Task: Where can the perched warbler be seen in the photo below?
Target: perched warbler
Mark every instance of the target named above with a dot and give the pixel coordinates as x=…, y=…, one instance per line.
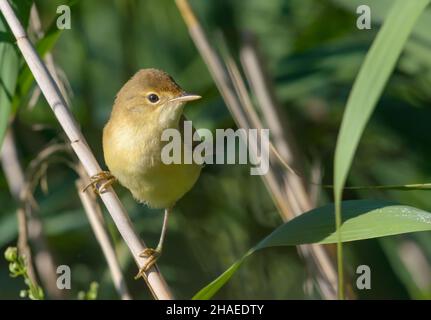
x=150, y=102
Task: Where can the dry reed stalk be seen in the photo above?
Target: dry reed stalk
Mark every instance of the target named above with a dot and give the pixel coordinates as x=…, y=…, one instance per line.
x=239, y=104
x=298, y=198
x=15, y=180
x=95, y=217
x=50, y=90
x=37, y=171
x=88, y=199
x=29, y=224
x=261, y=86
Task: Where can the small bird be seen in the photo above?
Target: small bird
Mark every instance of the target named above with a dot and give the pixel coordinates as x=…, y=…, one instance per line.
x=150, y=102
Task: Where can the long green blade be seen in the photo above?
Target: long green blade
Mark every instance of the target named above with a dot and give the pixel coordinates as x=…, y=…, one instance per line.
x=9, y=63
x=362, y=219
x=9, y=66
x=367, y=89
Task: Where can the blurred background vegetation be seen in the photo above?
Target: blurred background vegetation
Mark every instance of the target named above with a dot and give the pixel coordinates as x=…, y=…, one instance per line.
x=313, y=52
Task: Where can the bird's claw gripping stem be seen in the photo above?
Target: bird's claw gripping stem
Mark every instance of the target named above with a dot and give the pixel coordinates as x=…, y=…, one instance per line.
x=100, y=181
x=152, y=255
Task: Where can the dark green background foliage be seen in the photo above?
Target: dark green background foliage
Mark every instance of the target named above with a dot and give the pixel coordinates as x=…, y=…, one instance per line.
x=313, y=51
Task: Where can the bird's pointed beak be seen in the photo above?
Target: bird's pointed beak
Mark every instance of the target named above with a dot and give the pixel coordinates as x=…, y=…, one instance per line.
x=185, y=97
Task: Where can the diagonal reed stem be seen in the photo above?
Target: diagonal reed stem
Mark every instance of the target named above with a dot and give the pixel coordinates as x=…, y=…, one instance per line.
x=235, y=95
x=50, y=90
x=95, y=217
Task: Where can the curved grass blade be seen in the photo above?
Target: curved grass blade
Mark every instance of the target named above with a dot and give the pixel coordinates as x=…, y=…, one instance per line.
x=368, y=87
x=43, y=46
x=399, y=187
x=362, y=219
x=9, y=64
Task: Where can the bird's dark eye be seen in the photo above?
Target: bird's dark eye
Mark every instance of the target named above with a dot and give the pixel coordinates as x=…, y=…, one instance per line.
x=153, y=98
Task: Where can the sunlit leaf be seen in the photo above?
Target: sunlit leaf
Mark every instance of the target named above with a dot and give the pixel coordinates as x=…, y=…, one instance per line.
x=25, y=79
x=379, y=63
x=9, y=63
x=362, y=219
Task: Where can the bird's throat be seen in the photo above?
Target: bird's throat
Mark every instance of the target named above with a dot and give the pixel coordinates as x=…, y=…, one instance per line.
x=170, y=115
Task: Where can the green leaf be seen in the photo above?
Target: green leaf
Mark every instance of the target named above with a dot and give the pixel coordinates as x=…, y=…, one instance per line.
x=379, y=10
x=91, y=294
x=25, y=79
x=211, y=289
x=379, y=63
x=9, y=64
x=43, y=46
x=362, y=219
x=367, y=89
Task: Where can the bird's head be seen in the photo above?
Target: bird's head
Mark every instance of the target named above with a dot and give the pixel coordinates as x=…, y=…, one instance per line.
x=152, y=94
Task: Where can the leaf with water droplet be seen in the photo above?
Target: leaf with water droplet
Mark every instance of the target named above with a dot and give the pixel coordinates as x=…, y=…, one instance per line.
x=362, y=219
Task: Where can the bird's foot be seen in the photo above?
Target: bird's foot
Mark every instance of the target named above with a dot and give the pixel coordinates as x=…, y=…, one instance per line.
x=152, y=255
x=100, y=181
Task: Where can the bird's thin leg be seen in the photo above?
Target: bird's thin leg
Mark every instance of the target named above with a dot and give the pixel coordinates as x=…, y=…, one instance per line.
x=104, y=178
x=154, y=254
x=164, y=228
